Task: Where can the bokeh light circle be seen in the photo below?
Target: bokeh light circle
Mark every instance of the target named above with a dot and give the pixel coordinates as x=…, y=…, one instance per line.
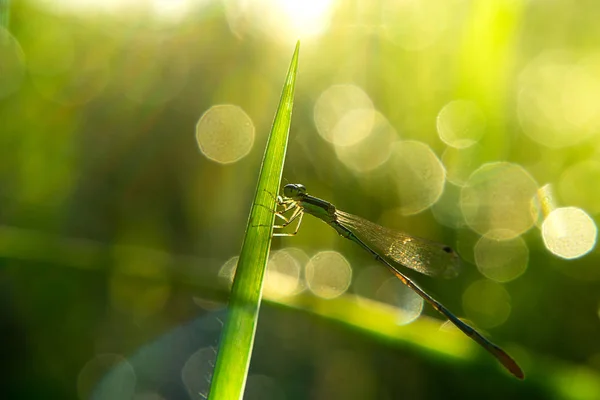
x=197, y=372
x=227, y=270
x=460, y=123
x=419, y=176
x=369, y=280
x=374, y=283
x=372, y=151
x=107, y=376
x=577, y=186
x=328, y=274
x=496, y=201
x=301, y=259
x=408, y=303
x=225, y=134
x=447, y=210
x=559, y=99
x=487, y=303
x=282, y=276
x=344, y=115
x=460, y=163
x=569, y=232
x=501, y=260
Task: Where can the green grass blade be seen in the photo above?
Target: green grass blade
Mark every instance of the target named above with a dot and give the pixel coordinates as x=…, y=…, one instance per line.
x=235, y=347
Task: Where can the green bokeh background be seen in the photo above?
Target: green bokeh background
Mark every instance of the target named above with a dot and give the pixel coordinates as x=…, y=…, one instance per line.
x=112, y=221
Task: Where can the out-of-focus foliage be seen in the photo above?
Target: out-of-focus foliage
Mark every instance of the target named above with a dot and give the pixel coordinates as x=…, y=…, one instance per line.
x=131, y=135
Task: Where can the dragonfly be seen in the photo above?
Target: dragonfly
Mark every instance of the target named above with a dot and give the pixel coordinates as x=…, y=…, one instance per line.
x=391, y=248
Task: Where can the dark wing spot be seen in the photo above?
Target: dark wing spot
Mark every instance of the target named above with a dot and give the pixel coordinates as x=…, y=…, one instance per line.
x=448, y=249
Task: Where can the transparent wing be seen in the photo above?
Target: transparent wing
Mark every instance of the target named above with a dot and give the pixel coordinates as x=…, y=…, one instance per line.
x=421, y=255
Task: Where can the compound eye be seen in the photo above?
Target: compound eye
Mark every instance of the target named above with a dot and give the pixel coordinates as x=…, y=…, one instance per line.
x=293, y=190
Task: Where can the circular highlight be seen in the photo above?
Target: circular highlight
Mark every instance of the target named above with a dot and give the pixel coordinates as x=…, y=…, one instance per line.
x=447, y=210
x=487, y=302
x=496, y=201
x=575, y=186
x=569, y=232
x=107, y=376
x=408, y=303
x=460, y=124
x=501, y=260
x=225, y=134
x=302, y=259
x=227, y=271
x=369, y=280
x=283, y=275
x=559, y=99
x=372, y=151
x=460, y=163
x=344, y=115
x=197, y=372
x=419, y=176
x=328, y=274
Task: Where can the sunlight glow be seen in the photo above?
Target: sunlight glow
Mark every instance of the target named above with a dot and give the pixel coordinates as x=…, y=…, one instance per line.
x=163, y=9
x=308, y=17
x=291, y=19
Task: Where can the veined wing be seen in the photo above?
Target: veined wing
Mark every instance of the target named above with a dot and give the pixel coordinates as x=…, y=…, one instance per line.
x=421, y=255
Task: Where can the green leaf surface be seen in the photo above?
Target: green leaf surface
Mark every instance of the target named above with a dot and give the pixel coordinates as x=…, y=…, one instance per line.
x=236, y=343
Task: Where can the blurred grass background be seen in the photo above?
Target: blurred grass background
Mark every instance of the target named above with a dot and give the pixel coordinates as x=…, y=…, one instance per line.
x=131, y=135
